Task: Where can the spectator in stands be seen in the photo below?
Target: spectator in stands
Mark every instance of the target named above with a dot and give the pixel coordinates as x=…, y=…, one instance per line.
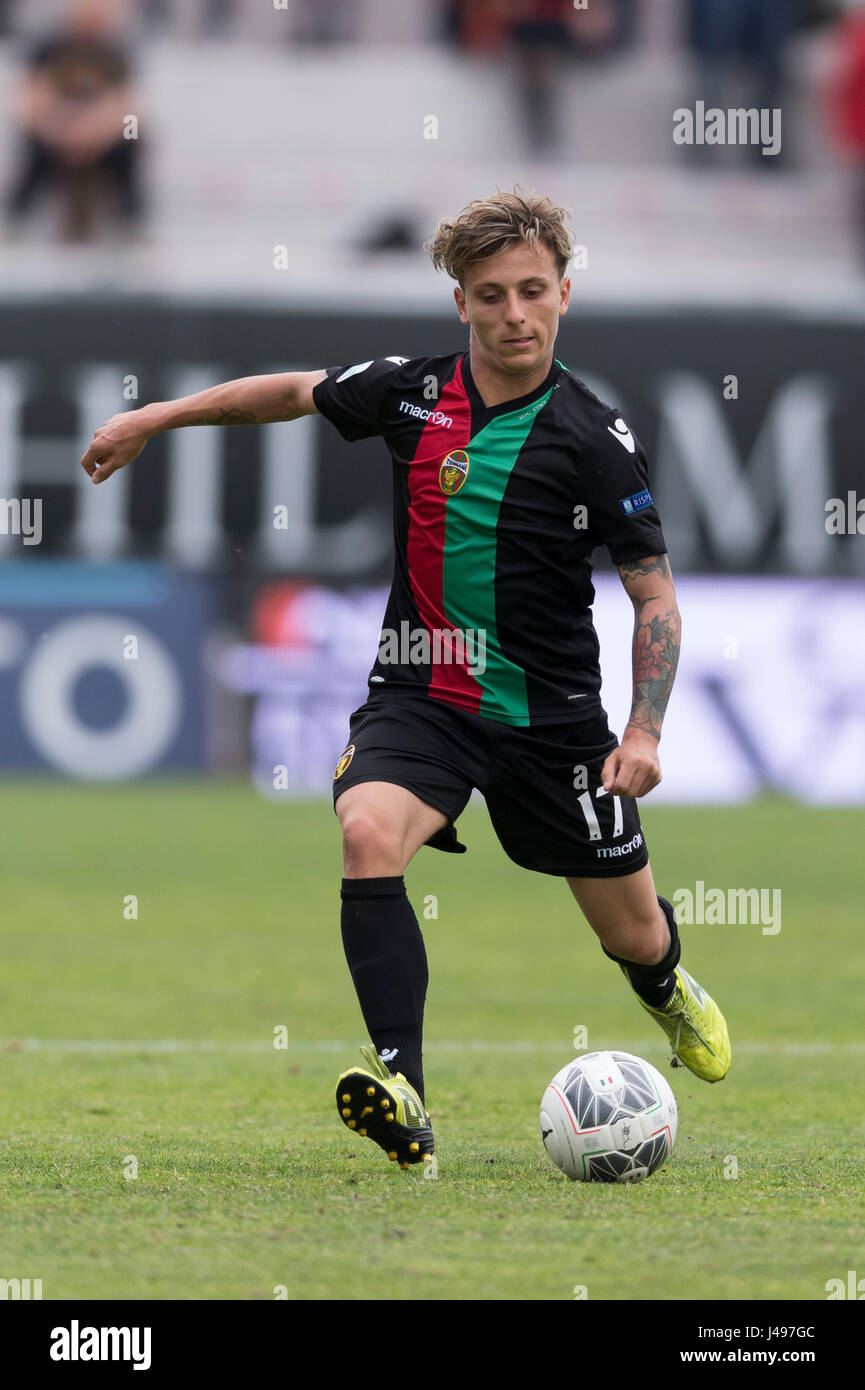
x=541, y=36
x=723, y=34
x=847, y=105
x=71, y=107
x=325, y=21
x=478, y=26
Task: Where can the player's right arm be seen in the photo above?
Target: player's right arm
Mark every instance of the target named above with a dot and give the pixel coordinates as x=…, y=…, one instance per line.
x=250, y=400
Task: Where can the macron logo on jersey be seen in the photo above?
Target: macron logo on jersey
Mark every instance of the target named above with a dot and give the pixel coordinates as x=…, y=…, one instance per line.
x=437, y=417
x=362, y=366
x=620, y=431
x=353, y=371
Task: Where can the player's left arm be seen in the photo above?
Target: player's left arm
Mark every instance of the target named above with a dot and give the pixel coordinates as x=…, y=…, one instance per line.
x=633, y=768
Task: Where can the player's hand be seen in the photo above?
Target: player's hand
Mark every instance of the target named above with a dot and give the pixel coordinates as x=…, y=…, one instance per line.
x=633, y=768
x=117, y=443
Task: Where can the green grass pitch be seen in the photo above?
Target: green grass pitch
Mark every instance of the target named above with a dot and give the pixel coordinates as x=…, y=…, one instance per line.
x=155, y=1144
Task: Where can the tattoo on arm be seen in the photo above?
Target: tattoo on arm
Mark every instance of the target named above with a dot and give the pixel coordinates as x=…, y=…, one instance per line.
x=633, y=569
x=234, y=417
x=655, y=658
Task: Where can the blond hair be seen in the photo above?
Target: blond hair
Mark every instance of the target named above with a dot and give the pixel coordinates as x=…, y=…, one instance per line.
x=490, y=225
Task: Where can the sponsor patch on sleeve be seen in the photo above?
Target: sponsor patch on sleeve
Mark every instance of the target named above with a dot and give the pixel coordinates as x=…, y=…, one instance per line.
x=636, y=502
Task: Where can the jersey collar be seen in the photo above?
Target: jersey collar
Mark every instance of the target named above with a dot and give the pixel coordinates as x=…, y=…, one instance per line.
x=478, y=408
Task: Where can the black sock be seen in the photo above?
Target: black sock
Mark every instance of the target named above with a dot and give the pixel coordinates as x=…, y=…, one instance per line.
x=386, y=956
x=655, y=983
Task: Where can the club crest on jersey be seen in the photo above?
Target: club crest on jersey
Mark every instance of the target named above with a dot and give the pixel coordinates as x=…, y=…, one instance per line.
x=454, y=471
x=344, y=761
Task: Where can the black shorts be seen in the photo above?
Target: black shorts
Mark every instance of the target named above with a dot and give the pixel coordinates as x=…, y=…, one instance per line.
x=542, y=785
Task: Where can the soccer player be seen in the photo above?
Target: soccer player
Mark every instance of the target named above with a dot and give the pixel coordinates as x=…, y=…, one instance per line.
x=508, y=473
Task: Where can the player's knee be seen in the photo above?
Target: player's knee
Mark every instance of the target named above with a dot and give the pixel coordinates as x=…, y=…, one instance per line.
x=370, y=845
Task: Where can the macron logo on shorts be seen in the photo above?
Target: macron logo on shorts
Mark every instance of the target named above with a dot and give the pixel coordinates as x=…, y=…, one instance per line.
x=614, y=851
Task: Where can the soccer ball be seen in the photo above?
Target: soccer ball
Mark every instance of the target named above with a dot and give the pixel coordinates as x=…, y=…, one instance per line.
x=608, y=1117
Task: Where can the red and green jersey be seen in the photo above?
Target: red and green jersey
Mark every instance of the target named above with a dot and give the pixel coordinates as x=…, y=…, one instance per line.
x=497, y=511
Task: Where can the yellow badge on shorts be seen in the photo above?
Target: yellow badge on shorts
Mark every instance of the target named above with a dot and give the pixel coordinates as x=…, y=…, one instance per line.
x=344, y=761
x=454, y=471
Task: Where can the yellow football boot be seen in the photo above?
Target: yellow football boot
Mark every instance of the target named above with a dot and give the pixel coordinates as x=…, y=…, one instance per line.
x=696, y=1028
x=386, y=1109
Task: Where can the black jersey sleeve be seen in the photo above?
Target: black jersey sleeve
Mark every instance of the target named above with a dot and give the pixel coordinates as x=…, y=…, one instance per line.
x=352, y=397
x=622, y=514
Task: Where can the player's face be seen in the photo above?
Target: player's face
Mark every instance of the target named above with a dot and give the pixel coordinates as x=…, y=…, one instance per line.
x=513, y=302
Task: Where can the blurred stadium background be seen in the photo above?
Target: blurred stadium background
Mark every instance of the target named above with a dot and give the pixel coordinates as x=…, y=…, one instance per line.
x=286, y=163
